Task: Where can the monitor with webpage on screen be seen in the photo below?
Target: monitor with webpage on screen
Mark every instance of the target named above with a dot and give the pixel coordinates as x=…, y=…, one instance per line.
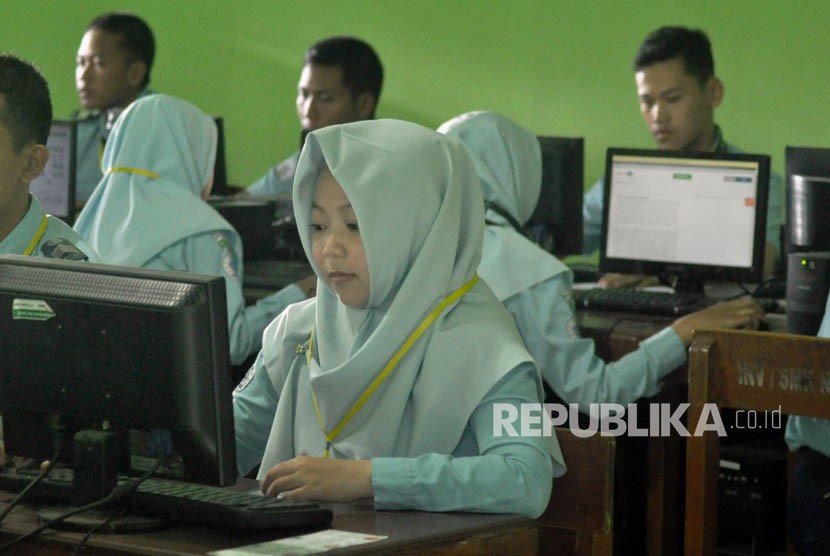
x=686, y=217
x=55, y=187
x=134, y=358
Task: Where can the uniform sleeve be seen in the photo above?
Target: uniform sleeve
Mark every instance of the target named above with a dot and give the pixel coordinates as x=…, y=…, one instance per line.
x=510, y=474
x=213, y=254
x=811, y=431
x=254, y=404
x=546, y=320
x=592, y=217
x=256, y=317
x=87, y=157
x=278, y=179
x=266, y=185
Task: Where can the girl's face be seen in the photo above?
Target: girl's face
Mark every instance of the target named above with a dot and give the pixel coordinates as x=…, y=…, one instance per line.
x=336, y=245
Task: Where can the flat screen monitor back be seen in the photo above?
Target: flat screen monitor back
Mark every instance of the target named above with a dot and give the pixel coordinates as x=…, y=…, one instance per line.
x=55, y=187
x=808, y=199
x=129, y=348
x=556, y=224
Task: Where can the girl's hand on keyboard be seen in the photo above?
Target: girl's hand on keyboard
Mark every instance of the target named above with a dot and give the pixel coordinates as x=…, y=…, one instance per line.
x=319, y=479
x=738, y=313
x=615, y=280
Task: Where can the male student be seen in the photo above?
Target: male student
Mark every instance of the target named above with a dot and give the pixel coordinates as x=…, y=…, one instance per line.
x=25, y=119
x=678, y=92
x=340, y=82
x=112, y=69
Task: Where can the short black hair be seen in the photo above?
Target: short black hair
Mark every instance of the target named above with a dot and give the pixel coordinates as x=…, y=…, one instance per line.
x=360, y=64
x=136, y=37
x=26, y=107
x=667, y=43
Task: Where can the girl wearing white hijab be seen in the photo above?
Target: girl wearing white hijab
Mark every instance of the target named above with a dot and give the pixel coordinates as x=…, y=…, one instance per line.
x=384, y=385
x=536, y=287
x=149, y=209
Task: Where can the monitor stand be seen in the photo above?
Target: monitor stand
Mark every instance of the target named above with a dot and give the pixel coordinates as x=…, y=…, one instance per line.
x=100, y=521
x=683, y=284
x=95, y=476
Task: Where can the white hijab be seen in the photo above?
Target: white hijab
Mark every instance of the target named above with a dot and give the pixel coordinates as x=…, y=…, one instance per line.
x=508, y=160
x=157, y=161
x=420, y=212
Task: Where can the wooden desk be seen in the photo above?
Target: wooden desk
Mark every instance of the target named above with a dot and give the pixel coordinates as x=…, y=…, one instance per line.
x=615, y=335
x=408, y=533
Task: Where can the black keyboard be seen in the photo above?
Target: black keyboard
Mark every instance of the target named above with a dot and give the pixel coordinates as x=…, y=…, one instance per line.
x=640, y=301
x=271, y=274
x=221, y=507
x=188, y=502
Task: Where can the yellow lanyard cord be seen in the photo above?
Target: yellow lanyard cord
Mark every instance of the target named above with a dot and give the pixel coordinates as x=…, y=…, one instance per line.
x=128, y=170
x=387, y=370
x=38, y=234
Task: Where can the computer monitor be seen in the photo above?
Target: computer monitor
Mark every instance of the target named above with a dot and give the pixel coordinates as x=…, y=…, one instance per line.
x=55, y=187
x=686, y=217
x=220, y=172
x=808, y=199
x=254, y=220
x=141, y=353
x=556, y=224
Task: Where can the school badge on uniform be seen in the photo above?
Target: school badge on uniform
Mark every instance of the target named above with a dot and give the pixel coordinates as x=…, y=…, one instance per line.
x=60, y=248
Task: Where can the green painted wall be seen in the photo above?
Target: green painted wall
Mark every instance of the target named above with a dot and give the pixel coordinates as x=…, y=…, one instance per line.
x=557, y=67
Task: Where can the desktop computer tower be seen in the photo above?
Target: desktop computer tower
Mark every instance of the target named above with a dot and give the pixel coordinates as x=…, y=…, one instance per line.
x=752, y=498
x=808, y=281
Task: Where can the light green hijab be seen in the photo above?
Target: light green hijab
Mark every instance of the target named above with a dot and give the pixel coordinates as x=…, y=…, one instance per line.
x=508, y=160
x=420, y=213
x=157, y=161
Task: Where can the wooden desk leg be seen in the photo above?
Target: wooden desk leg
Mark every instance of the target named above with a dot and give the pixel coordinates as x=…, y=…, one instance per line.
x=666, y=484
x=664, y=503
x=702, y=463
x=655, y=506
x=702, y=495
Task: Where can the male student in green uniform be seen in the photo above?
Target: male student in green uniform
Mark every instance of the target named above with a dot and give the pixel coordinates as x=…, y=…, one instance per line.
x=112, y=69
x=678, y=92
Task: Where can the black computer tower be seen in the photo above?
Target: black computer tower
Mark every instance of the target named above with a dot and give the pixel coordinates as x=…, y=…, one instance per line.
x=751, y=500
x=808, y=281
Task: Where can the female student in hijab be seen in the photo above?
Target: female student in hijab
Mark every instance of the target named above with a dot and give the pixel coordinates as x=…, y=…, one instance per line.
x=385, y=385
x=149, y=209
x=536, y=287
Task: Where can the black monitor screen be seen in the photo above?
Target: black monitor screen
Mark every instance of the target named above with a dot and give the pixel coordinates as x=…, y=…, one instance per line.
x=140, y=351
x=556, y=224
x=55, y=187
x=808, y=199
x=687, y=217
x=220, y=172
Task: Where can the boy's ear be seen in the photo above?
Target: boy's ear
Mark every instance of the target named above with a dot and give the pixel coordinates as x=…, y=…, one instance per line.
x=714, y=90
x=36, y=158
x=136, y=72
x=366, y=103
